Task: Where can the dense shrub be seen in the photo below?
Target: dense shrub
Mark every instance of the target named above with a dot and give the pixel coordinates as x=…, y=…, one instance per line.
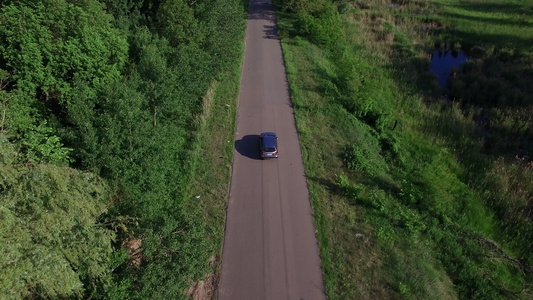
x=322, y=29
x=52, y=244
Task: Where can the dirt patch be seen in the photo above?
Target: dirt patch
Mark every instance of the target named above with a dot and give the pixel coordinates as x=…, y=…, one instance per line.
x=133, y=248
x=203, y=289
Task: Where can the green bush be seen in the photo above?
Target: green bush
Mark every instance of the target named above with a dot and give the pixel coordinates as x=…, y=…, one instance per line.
x=52, y=244
x=323, y=29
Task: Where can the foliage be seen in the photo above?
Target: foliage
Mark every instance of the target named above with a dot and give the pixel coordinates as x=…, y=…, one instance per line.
x=323, y=29
x=52, y=245
x=46, y=58
x=116, y=88
x=44, y=54
x=304, y=6
x=41, y=146
x=318, y=21
x=175, y=21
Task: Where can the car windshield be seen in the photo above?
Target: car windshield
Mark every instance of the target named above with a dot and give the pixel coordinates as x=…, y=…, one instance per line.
x=270, y=149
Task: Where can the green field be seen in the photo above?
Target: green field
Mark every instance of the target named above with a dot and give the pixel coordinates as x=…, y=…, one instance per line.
x=419, y=193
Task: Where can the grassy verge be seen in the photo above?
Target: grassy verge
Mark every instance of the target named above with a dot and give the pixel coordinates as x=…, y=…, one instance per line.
x=213, y=156
x=409, y=201
x=209, y=190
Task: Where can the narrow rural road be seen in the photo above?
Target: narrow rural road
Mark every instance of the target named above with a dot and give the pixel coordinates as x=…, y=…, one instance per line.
x=270, y=249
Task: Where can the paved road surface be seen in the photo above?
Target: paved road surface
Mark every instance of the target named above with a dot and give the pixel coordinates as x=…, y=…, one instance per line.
x=270, y=248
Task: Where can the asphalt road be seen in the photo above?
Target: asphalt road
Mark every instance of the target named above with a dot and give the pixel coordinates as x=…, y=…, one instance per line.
x=270, y=249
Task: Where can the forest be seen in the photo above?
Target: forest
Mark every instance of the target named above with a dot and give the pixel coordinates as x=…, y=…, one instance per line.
x=101, y=102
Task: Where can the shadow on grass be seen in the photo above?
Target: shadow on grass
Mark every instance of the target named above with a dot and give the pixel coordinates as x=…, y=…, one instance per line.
x=470, y=39
x=498, y=8
x=491, y=21
x=328, y=184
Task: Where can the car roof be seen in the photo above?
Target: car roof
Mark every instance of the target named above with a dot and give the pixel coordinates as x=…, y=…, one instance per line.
x=269, y=139
x=268, y=134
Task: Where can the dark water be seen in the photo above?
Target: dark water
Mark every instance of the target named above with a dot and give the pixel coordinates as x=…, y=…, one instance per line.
x=442, y=63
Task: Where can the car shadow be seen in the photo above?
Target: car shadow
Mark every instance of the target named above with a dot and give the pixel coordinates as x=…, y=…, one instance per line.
x=248, y=146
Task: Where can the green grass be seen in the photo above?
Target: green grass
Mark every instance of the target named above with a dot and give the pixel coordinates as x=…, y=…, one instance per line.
x=209, y=189
x=409, y=203
x=489, y=22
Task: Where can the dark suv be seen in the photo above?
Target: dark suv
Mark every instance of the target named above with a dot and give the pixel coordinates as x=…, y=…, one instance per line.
x=268, y=143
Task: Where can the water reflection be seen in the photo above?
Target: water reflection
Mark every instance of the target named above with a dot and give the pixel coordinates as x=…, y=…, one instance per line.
x=442, y=63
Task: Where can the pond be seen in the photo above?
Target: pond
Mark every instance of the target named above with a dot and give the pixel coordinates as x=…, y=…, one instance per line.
x=443, y=62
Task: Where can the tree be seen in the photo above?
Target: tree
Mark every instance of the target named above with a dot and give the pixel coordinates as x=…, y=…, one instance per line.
x=47, y=49
x=52, y=245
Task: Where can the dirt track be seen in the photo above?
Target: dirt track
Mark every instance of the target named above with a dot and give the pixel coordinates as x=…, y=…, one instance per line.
x=270, y=248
